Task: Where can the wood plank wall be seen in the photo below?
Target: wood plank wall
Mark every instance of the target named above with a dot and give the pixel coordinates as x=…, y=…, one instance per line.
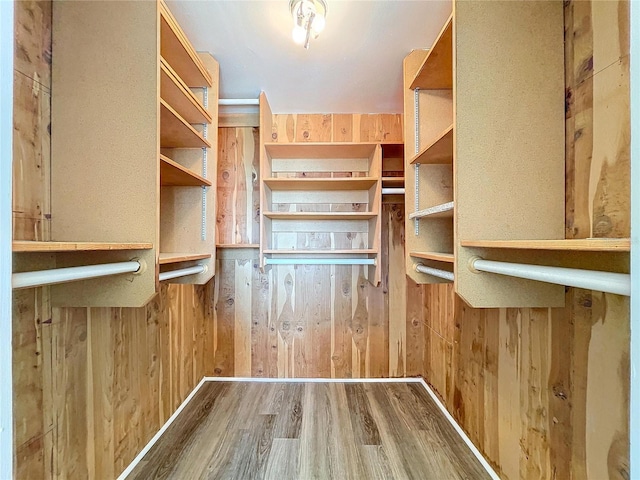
x=544, y=392
x=305, y=321
x=91, y=386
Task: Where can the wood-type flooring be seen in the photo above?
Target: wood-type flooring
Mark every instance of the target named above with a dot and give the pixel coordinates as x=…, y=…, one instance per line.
x=276, y=430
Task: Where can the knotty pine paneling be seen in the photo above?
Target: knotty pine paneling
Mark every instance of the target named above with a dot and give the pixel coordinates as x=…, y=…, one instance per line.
x=544, y=392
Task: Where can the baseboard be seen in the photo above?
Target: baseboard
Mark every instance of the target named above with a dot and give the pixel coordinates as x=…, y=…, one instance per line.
x=157, y=436
x=460, y=431
x=420, y=380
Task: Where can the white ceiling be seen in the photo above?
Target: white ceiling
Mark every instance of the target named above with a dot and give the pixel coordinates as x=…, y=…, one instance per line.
x=355, y=66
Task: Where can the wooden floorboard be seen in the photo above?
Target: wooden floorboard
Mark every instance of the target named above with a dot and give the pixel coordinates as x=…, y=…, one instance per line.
x=277, y=430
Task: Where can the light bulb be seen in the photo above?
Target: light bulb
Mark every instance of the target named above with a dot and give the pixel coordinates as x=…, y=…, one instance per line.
x=318, y=23
x=299, y=34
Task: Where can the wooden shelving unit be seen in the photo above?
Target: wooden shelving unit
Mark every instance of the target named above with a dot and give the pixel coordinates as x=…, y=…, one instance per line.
x=320, y=200
x=168, y=258
x=174, y=92
x=175, y=132
x=440, y=151
x=139, y=209
x=174, y=174
x=435, y=256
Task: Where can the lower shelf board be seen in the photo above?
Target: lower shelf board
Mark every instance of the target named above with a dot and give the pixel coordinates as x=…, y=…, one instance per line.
x=354, y=251
x=437, y=256
x=585, y=244
x=35, y=246
x=167, y=258
x=320, y=215
x=437, y=211
x=175, y=175
x=238, y=245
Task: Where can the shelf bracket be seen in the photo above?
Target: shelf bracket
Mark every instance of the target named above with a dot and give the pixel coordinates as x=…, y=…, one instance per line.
x=203, y=224
x=416, y=170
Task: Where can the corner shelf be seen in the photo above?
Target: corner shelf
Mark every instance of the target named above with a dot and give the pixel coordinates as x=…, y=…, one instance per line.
x=175, y=132
x=440, y=151
x=167, y=258
x=174, y=91
x=179, y=53
x=340, y=183
x=175, y=175
x=436, y=71
x=20, y=246
x=436, y=256
x=444, y=210
x=585, y=245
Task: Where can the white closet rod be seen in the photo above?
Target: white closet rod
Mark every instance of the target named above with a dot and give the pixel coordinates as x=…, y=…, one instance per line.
x=618, y=283
x=393, y=191
x=238, y=101
x=71, y=274
x=434, y=272
x=182, y=272
x=320, y=261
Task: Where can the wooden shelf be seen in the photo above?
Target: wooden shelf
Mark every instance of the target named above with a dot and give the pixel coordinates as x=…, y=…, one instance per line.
x=238, y=245
x=443, y=210
x=438, y=152
x=175, y=175
x=320, y=215
x=320, y=150
x=437, y=256
x=166, y=258
x=33, y=246
x=393, y=181
x=180, y=97
x=343, y=183
x=436, y=72
x=354, y=251
x=175, y=132
x=179, y=53
x=587, y=244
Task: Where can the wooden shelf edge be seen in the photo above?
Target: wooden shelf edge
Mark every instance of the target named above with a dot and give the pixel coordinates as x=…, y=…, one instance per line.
x=191, y=178
x=586, y=244
x=362, y=251
x=444, y=209
x=182, y=39
x=167, y=258
x=328, y=183
x=437, y=256
x=238, y=245
x=422, y=157
x=185, y=91
x=320, y=215
x=446, y=30
x=198, y=140
x=21, y=246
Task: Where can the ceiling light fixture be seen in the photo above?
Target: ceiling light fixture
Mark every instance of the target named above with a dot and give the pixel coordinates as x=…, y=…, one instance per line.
x=308, y=19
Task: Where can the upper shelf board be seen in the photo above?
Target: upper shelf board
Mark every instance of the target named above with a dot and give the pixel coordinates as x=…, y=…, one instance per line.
x=436, y=72
x=166, y=258
x=180, y=97
x=440, y=151
x=437, y=211
x=175, y=132
x=341, y=183
x=437, y=256
x=585, y=244
x=320, y=150
x=176, y=49
x=320, y=215
x=33, y=246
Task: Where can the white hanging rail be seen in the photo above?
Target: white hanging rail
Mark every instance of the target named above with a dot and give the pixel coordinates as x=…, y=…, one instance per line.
x=320, y=261
x=238, y=101
x=618, y=283
x=71, y=274
x=434, y=272
x=182, y=272
x=437, y=209
x=393, y=191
